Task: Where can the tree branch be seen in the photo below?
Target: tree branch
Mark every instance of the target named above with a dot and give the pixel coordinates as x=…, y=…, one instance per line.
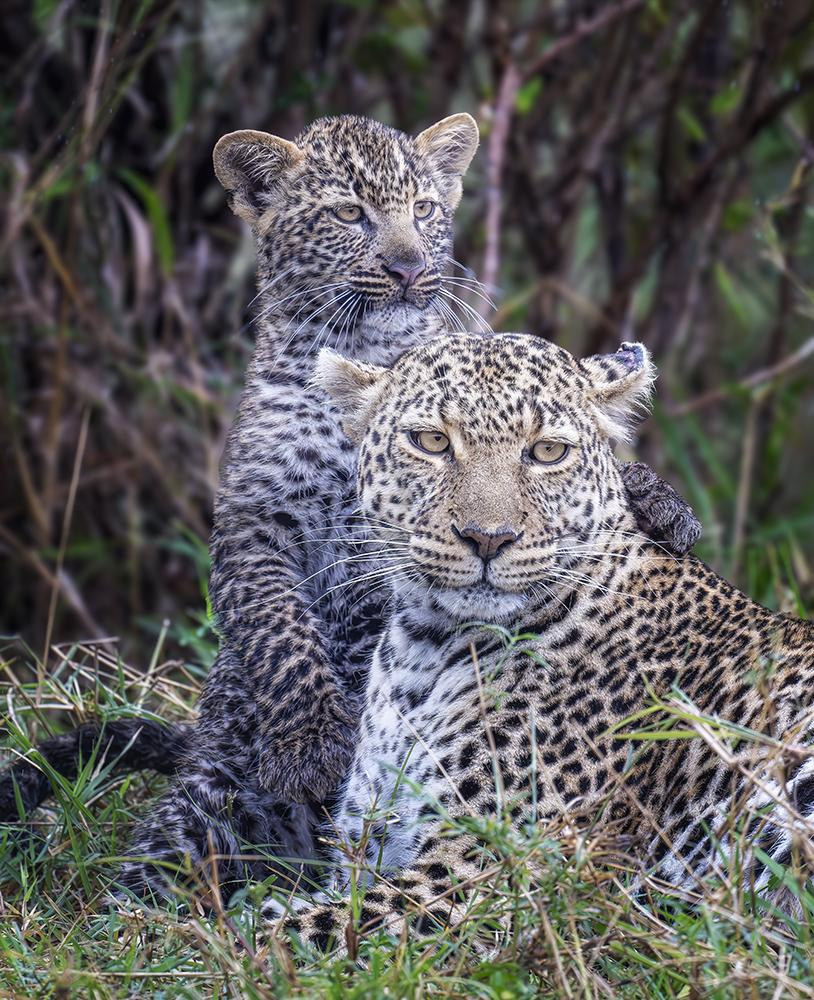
x=752, y=381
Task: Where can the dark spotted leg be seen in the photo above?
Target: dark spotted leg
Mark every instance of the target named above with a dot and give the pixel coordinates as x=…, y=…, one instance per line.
x=175, y=843
x=661, y=512
x=215, y=805
x=430, y=896
x=207, y=828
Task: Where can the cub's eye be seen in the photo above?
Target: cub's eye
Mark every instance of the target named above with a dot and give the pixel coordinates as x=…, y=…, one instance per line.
x=549, y=452
x=349, y=213
x=424, y=210
x=430, y=441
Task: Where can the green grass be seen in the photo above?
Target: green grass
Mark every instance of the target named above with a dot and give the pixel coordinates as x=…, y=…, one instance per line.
x=576, y=927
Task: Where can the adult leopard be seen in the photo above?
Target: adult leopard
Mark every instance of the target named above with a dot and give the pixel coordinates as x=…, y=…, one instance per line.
x=486, y=474
x=353, y=224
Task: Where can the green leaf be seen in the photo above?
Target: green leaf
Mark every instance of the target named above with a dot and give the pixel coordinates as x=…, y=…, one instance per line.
x=737, y=214
x=785, y=877
x=731, y=294
x=183, y=90
x=43, y=11
x=61, y=186
x=647, y=735
x=157, y=214
x=692, y=126
x=726, y=100
x=527, y=95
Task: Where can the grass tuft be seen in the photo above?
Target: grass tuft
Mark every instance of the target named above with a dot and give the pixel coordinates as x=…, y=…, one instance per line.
x=556, y=913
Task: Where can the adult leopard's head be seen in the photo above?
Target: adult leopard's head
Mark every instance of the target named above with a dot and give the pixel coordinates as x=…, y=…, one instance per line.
x=353, y=218
x=486, y=469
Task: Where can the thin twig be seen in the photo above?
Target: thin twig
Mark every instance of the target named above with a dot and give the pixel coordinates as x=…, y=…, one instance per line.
x=744, y=488
x=753, y=381
x=63, y=542
x=495, y=156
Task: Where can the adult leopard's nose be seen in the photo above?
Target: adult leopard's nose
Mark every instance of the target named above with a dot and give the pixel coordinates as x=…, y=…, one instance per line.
x=486, y=544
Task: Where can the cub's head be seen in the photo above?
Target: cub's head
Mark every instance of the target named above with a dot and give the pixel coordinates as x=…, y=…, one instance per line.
x=486, y=468
x=352, y=218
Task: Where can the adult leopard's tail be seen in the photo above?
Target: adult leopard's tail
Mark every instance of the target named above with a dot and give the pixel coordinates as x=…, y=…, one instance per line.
x=129, y=744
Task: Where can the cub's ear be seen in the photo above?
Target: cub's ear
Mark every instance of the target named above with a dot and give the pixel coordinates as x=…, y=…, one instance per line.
x=449, y=145
x=354, y=387
x=621, y=385
x=249, y=165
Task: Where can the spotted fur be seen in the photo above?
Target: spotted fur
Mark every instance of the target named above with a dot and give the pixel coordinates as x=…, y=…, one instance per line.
x=280, y=709
x=296, y=584
x=615, y=622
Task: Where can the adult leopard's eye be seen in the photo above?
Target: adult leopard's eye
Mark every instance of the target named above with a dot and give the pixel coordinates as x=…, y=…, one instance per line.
x=424, y=210
x=549, y=452
x=349, y=213
x=433, y=442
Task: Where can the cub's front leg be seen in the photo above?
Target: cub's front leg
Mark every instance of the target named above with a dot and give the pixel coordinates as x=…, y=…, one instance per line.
x=270, y=522
x=306, y=722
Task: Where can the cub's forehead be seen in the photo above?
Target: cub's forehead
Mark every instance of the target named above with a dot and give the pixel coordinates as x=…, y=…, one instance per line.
x=367, y=158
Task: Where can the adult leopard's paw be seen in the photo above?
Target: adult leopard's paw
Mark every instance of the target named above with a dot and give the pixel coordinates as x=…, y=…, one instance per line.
x=322, y=927
x=661, y=512
x=309, y=764
x=331, y=929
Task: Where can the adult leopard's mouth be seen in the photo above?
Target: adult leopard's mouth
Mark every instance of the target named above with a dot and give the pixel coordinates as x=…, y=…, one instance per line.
x=477, y=600
x=480, y=602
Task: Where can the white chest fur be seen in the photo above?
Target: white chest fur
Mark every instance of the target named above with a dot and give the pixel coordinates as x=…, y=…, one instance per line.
x=396, y=769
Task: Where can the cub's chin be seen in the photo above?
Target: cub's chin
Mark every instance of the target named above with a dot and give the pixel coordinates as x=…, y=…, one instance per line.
x=481, y=603
x=396, y=312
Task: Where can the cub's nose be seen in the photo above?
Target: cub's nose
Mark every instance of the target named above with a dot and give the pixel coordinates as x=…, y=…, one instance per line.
x=407, y=269
x=486, y=544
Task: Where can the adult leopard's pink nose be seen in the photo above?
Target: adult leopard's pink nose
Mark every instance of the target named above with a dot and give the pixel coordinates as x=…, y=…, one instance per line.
x=486, y=544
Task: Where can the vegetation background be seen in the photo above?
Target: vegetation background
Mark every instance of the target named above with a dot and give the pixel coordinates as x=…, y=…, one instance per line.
x=645, y=173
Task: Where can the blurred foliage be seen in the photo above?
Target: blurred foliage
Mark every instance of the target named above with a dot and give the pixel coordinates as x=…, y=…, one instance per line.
x=654, y=183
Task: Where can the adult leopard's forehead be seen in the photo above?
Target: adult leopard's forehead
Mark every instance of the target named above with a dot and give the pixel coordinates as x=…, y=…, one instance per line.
x=373, y=161
x=501, y=376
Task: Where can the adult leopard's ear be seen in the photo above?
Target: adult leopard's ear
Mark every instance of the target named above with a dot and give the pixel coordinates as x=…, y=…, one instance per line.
x=621, y=385
x=355, y=387
x=250, y=165
x=449, y=145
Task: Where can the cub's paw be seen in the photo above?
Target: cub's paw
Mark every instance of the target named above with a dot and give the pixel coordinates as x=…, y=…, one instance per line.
x=309, y=764
x=661, y=512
